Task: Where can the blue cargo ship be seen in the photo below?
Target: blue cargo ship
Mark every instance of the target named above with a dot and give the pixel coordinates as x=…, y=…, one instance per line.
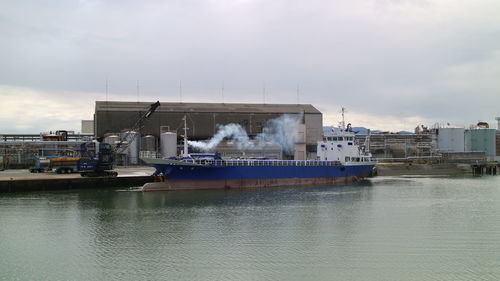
x=339, y=161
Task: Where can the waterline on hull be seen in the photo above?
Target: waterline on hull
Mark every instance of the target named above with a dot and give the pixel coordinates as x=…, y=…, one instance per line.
x=171, y=185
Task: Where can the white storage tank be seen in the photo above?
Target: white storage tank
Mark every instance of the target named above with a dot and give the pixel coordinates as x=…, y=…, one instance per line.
x=132, y=138
x=112, y=139
x=300, y=143
x=148, y=143
x=451, y=139
x=168, y=144
x=481, y=140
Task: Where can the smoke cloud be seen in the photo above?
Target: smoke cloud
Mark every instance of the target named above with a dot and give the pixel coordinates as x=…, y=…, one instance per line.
x=281, y=131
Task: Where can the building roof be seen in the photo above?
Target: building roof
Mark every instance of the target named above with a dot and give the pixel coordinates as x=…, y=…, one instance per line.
x=206, y=107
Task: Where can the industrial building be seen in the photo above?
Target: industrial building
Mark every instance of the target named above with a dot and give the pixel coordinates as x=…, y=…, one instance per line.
x=450, y=139
x=498, y=146
x=402, y=146
x=481, y=139
x=87, y=126
x=161, y=135
x=19, y=150
x=113, y=120
x=457, y=144
x=203, y=119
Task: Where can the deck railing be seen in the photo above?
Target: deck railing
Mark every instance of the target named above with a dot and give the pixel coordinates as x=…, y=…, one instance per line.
x=239, y=162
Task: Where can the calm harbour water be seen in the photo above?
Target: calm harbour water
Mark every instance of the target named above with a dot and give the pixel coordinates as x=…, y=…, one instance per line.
x=387, y=228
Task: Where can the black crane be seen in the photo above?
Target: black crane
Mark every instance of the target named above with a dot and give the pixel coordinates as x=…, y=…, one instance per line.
x=102, y=164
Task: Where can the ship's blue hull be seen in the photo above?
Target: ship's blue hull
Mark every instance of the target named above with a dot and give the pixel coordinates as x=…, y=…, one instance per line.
x=261, y=172
x=174, y=177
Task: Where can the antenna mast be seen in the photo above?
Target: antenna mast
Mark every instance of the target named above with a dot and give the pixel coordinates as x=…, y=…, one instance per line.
x=106, y=88
x=180, y=89
x=222, y=91
x=137, y=90
x=298, y=93
x=186, y=153
x=343, y=118
x=264, y=93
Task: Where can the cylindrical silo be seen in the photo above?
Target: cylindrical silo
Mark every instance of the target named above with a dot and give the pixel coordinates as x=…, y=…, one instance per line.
x=148, y=143
x=132, y=139
x=168, y=144
x=481, y=140
x=451, y=139
x=112, y=139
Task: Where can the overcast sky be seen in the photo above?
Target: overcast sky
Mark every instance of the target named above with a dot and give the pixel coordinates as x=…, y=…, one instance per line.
x=393, y=64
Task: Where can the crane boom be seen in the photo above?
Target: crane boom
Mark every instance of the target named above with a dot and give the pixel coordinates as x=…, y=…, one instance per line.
x=101, y=163
x=120, y=147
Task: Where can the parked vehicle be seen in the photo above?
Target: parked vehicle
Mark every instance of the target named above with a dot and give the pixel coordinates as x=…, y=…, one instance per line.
x=42, y=164
x=57, y=163
x=64, y=165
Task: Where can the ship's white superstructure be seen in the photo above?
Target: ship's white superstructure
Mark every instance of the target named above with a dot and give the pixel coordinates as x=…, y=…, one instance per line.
x=339, y=145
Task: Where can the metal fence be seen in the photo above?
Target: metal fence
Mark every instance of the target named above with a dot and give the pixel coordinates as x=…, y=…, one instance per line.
x=252, y=162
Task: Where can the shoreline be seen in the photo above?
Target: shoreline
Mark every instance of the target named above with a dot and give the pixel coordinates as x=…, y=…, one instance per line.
x=23, y=181
x=399, y=169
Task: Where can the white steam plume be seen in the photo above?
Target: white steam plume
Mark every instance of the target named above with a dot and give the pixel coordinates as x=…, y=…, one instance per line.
x=229, y=131
x=281, y=130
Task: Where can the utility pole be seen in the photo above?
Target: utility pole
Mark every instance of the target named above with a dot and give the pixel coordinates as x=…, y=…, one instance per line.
x=185, y=153
x=264, y=93
x=298, y=93
x=222, y=91
x=137, y=90
x=106, y=88
x=180, y=89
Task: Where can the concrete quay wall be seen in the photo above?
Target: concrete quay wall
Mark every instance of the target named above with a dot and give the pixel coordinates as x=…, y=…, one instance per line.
x=24, y=181
x=398, y=169
x=47, y=184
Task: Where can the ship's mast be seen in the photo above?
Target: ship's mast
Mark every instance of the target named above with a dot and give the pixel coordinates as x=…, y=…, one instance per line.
x=185, y=154
x=343, y=119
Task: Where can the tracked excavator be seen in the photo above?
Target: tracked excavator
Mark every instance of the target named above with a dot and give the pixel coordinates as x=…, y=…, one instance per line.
x=98, y=158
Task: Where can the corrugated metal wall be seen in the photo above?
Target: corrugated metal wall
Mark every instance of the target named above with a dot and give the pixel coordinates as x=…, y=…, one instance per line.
x=481, y=140
x=451, y=139
x=498, y=143
x=202, y=125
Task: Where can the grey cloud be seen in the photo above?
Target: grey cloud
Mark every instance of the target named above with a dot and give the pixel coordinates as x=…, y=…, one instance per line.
x=406, y=58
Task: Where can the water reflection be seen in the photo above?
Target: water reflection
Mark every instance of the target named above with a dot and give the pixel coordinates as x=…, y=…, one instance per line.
x=386, y=228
